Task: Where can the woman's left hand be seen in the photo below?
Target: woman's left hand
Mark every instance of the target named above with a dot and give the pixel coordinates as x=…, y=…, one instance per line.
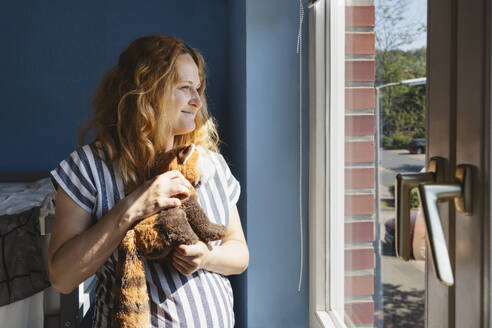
x=189, y=258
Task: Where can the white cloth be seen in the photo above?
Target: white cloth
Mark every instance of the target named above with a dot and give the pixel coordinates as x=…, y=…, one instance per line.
x=19, y=197
x=16, y=198
x=25, y=313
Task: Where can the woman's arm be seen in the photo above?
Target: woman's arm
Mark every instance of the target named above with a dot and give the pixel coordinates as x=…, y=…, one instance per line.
x=77, y=250
x=231, y=257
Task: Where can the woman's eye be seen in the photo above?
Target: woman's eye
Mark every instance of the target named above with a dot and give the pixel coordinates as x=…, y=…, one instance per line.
x=189, y=88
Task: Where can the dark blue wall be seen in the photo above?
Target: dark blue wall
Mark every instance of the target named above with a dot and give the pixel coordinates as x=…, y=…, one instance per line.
x=234, y=133
x=55, y=52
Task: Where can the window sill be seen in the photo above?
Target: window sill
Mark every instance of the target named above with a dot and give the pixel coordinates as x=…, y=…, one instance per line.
x=325, y=319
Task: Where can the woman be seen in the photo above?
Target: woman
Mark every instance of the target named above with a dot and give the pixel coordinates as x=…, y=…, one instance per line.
x=152, y=101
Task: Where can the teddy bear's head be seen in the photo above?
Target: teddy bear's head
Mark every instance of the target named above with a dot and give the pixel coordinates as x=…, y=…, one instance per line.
x=183, y=159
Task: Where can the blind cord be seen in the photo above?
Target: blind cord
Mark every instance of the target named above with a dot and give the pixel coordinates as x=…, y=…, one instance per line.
x=299, y=51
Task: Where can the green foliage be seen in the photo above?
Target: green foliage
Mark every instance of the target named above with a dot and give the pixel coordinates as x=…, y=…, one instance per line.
x=391, y=190
x=403, y=107
x=414, y=196
x=387, y=142
x=401, y=142
x=396, y=142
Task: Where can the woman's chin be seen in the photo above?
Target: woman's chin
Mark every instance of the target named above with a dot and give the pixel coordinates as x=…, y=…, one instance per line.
x=188, y=128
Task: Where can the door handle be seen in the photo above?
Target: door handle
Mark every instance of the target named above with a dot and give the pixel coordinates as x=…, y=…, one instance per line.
x=430, y=195
x=403, y=186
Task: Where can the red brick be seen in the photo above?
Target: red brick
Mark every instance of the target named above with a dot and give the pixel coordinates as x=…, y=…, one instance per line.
x=359, y=231
x=359, y=204
x=359, y=43
x=356, y=178
x=360, y=71
x=359, y=16
x=359, y=313
x=359, y=259
x=359, y=125
x=360, y=98
x=359, y=152
x=359, y=285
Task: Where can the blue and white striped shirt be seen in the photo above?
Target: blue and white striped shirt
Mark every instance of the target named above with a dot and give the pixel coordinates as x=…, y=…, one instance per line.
x=203, y=299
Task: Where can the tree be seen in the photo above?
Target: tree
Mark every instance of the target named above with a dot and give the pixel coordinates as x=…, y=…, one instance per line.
x=403, y=107
x=394, y=29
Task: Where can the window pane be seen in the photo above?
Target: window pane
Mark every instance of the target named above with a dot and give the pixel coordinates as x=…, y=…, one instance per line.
x=384, y=135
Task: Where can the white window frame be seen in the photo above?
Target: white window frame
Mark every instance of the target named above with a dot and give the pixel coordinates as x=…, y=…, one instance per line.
x=326, y=163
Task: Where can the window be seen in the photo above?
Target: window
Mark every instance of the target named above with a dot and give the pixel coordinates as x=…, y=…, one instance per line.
x=326, y=218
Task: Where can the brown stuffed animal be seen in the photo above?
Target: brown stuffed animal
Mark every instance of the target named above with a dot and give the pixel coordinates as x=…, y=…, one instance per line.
x=155, y=236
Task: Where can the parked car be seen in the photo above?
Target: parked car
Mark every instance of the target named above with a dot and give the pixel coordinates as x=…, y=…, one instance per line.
x=389, y=235
x=417, y=146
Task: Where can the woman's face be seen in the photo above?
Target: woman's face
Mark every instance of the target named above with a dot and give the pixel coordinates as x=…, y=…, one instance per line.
x=185, y=101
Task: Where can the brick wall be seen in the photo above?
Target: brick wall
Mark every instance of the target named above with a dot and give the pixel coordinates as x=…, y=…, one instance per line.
x=359, y=162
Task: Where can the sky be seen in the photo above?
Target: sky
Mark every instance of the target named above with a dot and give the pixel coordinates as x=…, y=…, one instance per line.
x=417, y=14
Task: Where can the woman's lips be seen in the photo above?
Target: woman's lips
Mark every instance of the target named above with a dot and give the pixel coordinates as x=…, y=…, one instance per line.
x=188, y=112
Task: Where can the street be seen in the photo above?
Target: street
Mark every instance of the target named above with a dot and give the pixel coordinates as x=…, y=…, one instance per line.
x=402, y=283
x=397, y=161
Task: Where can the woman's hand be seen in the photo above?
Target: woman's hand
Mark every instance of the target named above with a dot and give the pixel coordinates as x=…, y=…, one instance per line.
x=189, y=258
x=162, y=192
x=230, y=257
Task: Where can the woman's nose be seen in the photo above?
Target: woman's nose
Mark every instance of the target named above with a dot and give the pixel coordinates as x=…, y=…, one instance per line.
x=195, y=100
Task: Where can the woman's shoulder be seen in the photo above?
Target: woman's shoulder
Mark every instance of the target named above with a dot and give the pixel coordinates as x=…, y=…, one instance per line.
x=208, y=162
x=87, y=159
x=93, y=152
x=94, y=148
x=213, y=164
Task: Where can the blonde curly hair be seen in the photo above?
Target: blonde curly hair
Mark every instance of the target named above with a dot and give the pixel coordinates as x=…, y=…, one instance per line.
x=130, y=102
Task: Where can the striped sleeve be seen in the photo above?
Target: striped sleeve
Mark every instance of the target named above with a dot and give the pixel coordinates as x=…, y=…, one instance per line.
x=74, y=175
x=232, y=187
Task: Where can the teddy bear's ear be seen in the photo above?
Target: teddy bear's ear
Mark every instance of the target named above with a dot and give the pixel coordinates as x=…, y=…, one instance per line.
x=185, y=153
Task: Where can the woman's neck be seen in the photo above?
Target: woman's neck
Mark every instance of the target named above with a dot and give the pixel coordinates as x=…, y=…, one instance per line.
x=170, y=143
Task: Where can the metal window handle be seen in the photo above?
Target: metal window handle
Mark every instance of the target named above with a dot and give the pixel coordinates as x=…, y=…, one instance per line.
x=403, y=186
x=430, y=194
